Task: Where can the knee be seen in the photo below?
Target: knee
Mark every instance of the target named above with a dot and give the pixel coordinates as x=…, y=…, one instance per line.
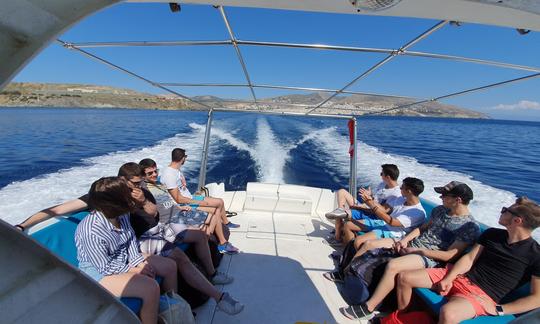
x=149, y=288
x=392, y=267
x=169, y=266
x=342, y=192
x=403, y=279
x=179, y=257
x=369, y=244
x=447, y=315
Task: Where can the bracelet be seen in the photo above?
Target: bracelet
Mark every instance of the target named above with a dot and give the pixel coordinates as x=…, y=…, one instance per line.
x=19, y=226
x=374, y=209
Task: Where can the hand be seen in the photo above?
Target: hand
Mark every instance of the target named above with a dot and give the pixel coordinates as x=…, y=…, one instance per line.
x=365, y=194
x=186, y=208
x=138, y=195
x=145, y=269
x=399, y=246
x=444, y=286
x=488, y=305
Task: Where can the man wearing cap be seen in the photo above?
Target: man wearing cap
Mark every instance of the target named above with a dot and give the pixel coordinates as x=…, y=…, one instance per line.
x=501, y=261
x=450, y=230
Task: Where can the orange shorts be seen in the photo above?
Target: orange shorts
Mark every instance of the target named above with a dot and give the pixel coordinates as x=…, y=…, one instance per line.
x=464, y=288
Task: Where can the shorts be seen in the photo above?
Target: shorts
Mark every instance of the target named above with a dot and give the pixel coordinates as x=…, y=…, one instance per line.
x=428, y=263
x=369, y=221
x=198, y=198
x=382, y=232
x=464, y=288
x=90, y=270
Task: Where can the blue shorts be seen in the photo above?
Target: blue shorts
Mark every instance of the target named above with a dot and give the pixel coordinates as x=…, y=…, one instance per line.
x=370, y=222
x=198, y=198
x=90, y=271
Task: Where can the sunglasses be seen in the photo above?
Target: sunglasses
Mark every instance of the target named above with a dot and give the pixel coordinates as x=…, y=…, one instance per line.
x=149, y=173
x=136, y=183
x=506, y=209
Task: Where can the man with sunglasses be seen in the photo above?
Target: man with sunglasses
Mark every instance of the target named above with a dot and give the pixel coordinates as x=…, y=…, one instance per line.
x=501, y=261
x=175, y=182
x=170, y=212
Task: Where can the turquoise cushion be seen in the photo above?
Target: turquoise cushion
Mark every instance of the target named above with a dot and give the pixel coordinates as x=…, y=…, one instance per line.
x=60, y=237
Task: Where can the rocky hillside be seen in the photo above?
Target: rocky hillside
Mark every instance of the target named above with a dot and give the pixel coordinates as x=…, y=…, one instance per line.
x=78, y=95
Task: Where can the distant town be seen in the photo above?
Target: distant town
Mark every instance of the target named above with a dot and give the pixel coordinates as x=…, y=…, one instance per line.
x=93, y=96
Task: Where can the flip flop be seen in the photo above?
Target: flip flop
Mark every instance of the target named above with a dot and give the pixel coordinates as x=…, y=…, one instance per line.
x=231, y=214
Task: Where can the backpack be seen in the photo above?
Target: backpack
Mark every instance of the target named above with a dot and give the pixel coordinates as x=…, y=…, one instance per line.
x=362, y=275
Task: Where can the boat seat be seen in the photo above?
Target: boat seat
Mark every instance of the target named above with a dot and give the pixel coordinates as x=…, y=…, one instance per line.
x=297, y=199
x=261, y=197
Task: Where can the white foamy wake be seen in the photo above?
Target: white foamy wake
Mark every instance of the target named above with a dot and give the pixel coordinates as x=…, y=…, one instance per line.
x=487, y=201
x=21, y=199
x=267, y=152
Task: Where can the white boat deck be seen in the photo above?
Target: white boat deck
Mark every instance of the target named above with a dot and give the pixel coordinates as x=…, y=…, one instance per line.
x=278, y=274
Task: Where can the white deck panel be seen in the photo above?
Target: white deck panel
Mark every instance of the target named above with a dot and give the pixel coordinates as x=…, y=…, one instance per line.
x=278, y=274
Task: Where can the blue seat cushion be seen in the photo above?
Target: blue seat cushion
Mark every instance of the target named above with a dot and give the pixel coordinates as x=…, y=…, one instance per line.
x=60, y=237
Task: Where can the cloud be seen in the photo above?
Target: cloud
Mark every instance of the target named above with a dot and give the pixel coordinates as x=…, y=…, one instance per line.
x=522, y=105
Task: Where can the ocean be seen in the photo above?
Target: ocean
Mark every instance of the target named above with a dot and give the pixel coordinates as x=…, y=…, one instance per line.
x=50, y=155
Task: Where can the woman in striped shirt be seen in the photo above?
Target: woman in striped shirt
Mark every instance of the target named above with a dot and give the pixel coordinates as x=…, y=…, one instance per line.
x=108, y=252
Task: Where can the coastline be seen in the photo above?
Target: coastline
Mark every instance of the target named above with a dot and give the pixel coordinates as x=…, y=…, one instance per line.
x=43, y=95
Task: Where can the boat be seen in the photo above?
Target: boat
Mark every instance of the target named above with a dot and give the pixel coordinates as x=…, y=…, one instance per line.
x=283, y=258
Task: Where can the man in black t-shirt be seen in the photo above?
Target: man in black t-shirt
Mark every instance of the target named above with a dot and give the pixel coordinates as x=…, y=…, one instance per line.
x=501, y=261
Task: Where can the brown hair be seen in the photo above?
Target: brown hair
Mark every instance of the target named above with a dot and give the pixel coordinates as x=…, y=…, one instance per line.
x=111, y=196
x=130, y=170
x=529, y=211
x=178, y=154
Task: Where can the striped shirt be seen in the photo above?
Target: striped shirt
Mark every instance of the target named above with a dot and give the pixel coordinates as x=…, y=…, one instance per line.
x=111, y=250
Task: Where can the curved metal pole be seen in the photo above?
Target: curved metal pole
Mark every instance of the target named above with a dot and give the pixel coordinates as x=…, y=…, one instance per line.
x=352, y=172
x=204, y=159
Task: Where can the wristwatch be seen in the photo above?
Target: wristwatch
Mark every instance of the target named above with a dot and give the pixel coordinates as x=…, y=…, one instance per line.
x=499, y=309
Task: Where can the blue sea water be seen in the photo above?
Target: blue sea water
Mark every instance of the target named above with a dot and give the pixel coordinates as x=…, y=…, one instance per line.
x=55, y=154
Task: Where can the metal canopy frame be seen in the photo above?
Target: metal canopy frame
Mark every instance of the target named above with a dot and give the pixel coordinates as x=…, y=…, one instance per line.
x=311, y=109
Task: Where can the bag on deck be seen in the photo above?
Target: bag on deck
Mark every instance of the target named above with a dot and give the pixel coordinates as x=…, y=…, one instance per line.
x=399, y=317
x=174, y=309
x=362, y=275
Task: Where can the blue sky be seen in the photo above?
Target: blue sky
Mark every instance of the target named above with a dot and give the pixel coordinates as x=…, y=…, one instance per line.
x=407, y=76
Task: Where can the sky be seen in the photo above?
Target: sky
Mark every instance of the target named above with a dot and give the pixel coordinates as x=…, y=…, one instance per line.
x=407, y=76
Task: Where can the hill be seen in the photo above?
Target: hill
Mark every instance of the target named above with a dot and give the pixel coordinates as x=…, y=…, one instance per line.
x=92, y=96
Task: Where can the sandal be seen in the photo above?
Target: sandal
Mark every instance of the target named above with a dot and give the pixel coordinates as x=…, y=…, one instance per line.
x=231, y=214
x=334, y=276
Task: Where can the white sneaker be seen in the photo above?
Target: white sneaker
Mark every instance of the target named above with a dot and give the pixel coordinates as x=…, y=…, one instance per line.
x=229, y=305
x=221, y=278
x=337, y=213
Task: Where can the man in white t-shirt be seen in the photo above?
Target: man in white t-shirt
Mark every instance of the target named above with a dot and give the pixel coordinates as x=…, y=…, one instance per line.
x=176, y=184
x=350, y=209
x=406, y=215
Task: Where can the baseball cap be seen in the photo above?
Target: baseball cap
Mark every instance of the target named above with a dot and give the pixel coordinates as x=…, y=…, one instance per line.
x=456, y=188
